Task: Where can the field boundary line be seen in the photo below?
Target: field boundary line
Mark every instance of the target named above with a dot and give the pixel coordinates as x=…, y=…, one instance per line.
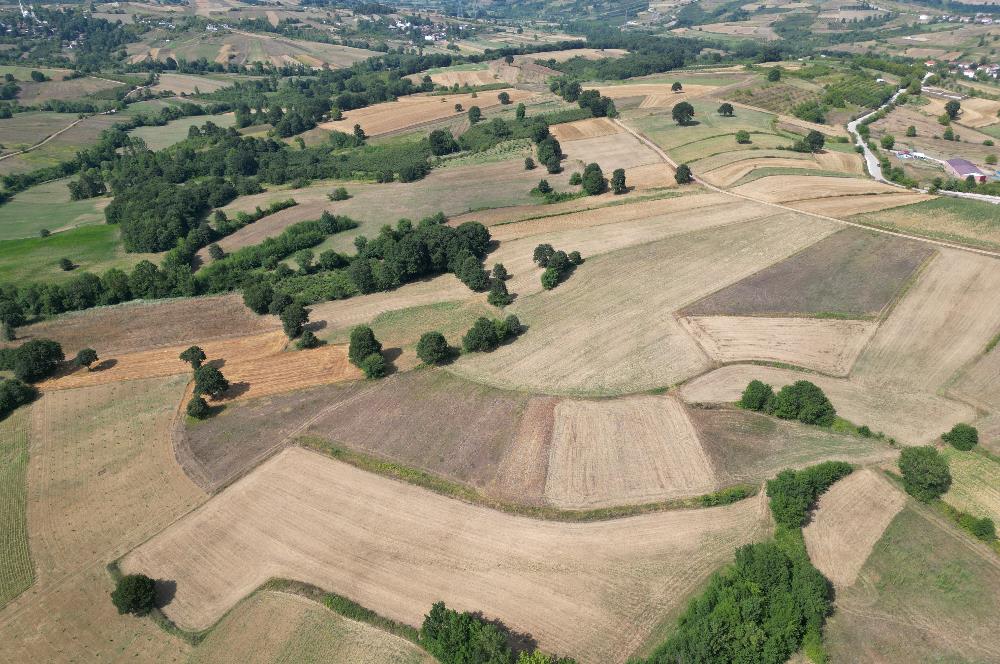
x=779, y=206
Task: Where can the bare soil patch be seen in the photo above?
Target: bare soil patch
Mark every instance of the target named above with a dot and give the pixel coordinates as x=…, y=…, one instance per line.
x=852, y=272
x=829, y=346
x=849, y=519
x=416, y=110
x=744, y=446
x=613, y=317
x=139, y=326
x=281, y=627
x=102, y=479
x=304, y=516
x=912, y=417
x=639, y=449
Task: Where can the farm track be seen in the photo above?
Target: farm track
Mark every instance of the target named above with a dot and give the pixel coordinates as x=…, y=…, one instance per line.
x=46, y=139
x=940, y=243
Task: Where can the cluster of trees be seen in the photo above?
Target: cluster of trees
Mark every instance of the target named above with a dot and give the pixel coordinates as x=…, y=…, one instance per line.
x=793, y=493
x=802, y=401
x=485, y=334
x=208, y=380
x=591, y=100
x=15, y=393
x=499, y=296
x=365, y=352
x=558, y=264
x=454, y=637
x=33, y=360
x=812, y=142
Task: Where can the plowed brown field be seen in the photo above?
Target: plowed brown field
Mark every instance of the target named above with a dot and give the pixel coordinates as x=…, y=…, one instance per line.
x=396, y=549
x=849, y=519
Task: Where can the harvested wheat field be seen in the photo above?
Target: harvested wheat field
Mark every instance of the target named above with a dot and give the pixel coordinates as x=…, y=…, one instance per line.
x=913, y=418
x=845, y=206
x=187, y=83
x=139, y=326
x=416, y=110
x=852, y=273
x=102, y=479
x=305, y=516
x=650, y=176
x=16, y=569
x=979, y=382
x=788, y=188
x=255, y=366
x=975, y=486
x=281, y=627
x=563, y=56
x=613, y=316
x=639, y=449
x=611, y=151
x=828, y=346
x=589, y=128
x=461, y=78
x=976, y=112
x=944, y=321
x=745, y=446
x=845, y=162
x=662, y=93
x=730, y=174
x=849, y=519
x=675, y=217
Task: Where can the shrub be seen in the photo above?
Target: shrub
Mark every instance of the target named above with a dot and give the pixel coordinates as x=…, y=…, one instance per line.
x=991, y=159
x=925, y=473
x=550, y=278
x=209, y=380
x=757, y=396
x=815, y=140
x=911, y=131
x=463, y=638
x=504, y=98
x=575, y=179
x=475, y=114
x=193, y=356
x=85, y=357
x=215, y=252
x=433, y=348
x=888, y=141
x=983, y=528
x=442, y=142
x=529, y=164
x=962, y=437
x=793, y=493
x=66, y=264
x=307, y=340
x=374, y=366
x=542, y=254
x=774, y=74
x=36, y=359
x=575, y=258
x=683, y=174
x=499, y=296
x=363, y=343
x=743, y=137
x=134, y=593
x=543, y=187
x=339, y=194
x=198, y=408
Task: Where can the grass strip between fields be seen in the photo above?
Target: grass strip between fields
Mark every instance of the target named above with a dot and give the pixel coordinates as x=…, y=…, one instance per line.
x=467, y=494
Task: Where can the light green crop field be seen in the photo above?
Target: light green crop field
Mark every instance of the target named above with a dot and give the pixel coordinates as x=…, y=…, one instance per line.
x=974, y=223
x=93, y=248
x=975, y=482
x=16, y=571
x=158, y=138
x=47, y=206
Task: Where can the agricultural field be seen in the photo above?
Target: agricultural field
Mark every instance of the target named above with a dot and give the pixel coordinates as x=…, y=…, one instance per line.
x=969, y=222
x=329, y=519
x=18, y=570
x=47, y=206
x=61, y=147
x=157, y=138
x=33, y=94
x=25, y=130
x=975, y=483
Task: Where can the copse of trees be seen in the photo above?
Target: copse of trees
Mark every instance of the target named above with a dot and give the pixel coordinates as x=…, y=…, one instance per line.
x=590, y=100
x=485, y=334
x=802, y=401
x=557, y=264
x=33, y=360
x=962, y=437
x=925, y=473
x=365, y=352
x=813, y=142
x=793, y=493
x=442, y=142
x=15, y=393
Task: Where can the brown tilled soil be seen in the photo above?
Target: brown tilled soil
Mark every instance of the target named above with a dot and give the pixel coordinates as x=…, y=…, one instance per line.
x=139, y=326
x=750, y=447
x=427, y=419
x=852, y=272
x=593, y=591
x=849, y=519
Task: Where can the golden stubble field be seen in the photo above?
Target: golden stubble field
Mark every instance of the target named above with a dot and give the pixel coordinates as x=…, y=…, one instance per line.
x=397, y=549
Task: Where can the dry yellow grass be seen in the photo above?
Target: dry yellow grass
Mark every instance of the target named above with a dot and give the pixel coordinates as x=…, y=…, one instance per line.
x=638, y=449
x=589, y=128
x=911, y=417
x=186, y=83
x=650, y=176
x=102, y=479
x=845, y=162
x=255, y=366
x=829, y=346
x=944, y=322
x=396, y=549
x=787, y=188
x=976, y=112
x=656, y=95
x=563, y=56
x=416, y=110
x=609, y=328
x=845, y=206
x=281, y=627
x=611, y=151
x=730, y=174
x=975, y=486
x=849, y=519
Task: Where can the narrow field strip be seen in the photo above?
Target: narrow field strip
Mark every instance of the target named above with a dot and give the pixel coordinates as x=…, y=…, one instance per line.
x=16, y=569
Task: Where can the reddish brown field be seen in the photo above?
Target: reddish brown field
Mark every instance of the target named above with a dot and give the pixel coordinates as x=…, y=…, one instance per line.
x=139, y=326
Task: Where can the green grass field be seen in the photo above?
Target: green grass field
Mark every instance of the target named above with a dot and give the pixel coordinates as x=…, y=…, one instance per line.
x=92, y=248
x=16, y=571
x=158, y=138
x=47, y=206
x=24, y=73
x=975, y=482
x=27, y=129
x=955, y=219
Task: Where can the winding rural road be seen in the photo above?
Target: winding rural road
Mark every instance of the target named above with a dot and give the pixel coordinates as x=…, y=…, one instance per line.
x=658, y=150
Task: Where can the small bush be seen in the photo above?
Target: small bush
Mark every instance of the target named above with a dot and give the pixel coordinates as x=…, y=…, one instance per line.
x=307, y=340
x=683, y=174
x=962, y=437
x=134, y=593
x=339, y=194
x=743, y=137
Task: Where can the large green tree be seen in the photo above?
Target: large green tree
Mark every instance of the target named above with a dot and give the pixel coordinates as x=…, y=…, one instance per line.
x=925, y=473
x=682, y=113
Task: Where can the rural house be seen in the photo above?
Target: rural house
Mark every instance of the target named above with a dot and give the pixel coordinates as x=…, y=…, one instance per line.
x=963, y=168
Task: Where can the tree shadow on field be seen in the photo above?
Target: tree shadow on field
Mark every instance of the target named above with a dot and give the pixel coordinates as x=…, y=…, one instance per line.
x=104, y=365
x=237, y=389
x=315, y=326
x=218, y=363
x=391, y=355
x=518, y=641
x=166, y=589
